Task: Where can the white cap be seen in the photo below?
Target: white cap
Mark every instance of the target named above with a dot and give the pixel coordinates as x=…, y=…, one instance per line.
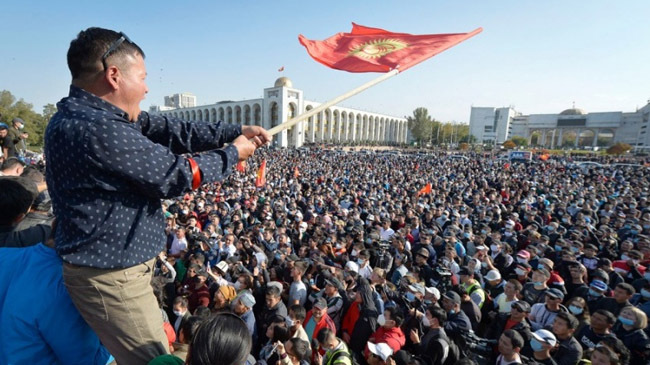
x=493, y=275
x=433, y=291
x=352, y=266
x=545, y=336
x=381, y=350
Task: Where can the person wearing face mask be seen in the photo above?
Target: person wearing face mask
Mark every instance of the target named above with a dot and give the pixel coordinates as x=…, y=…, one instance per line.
x=499, y=258
x=389, y=330
x=630, y=330
x=435, y=346
x=629, y=265
x=181, y=313
x=294, y=321
x=365, y=270
x=457, y=320
x=542, y=343
x=535, y=291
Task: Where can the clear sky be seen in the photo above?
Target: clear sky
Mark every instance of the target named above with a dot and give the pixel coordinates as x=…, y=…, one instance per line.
x=539, y=56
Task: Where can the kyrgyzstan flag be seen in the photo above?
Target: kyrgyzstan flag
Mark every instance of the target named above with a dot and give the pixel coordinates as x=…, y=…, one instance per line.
x=368, y=49
x=425, y=190
x=241, y=166
x=261, y=175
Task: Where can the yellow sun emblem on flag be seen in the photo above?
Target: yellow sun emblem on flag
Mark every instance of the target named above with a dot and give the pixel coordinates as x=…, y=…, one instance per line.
x=377, y=48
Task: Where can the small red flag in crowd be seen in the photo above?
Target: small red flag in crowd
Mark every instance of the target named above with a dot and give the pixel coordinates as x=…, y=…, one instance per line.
x=506, y=166
x=261, y=175
x=241, y=166
x=368, y=49
x=281, y=69
x=296, y=172
x=425, y=190
x=417, y=166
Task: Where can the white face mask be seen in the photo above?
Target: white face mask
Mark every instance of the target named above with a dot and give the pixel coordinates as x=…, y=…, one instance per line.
x=354, y=252
x=520, y=272
x=425, y=321
x=381, y=320
x=237, y=285
x=521, y=260
x=179, y=313
x=494, y=248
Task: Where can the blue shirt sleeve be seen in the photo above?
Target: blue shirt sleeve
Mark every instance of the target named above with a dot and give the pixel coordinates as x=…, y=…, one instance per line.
x=185, y=136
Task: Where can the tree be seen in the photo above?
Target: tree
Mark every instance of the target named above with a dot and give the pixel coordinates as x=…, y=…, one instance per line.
x=469, y=138
x=619, y=149
x=520, y=141
x=463, y=146
x=421, y=125
x=34, y=122
x=509, y=145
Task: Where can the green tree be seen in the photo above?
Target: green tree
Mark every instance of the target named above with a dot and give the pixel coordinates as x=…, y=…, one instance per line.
x=509, y=145
x=421, y=125
x=34, y=122
x=520, y=141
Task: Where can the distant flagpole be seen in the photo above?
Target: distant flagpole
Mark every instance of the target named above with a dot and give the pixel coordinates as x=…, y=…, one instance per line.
x=293, y=121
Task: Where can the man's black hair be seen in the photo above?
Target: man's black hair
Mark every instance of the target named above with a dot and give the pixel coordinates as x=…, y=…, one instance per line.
x=11, y=162
x=16, y=198
x=86, y=51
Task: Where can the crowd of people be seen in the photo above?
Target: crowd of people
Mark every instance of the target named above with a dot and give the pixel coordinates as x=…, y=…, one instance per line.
x=341, y=258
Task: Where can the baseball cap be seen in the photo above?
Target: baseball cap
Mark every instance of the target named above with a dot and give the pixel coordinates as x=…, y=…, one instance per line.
x=493, y=275
x=599, y=285
x=545, y=336
x=547, y=262
x=352, y=266
x=423, y=252
x=418, y=288
x=523, y=254
x=522, y=305
x=333, y=282
x=555, y=293
x=380, y=350
x=464, y=271
x=433, y=291
x=453, y=296
x=320, y=303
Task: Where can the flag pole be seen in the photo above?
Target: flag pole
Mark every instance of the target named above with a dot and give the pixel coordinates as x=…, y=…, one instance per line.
x=295, y=120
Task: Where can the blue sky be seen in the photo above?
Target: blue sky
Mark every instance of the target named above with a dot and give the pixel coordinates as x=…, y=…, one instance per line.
x=539, y=56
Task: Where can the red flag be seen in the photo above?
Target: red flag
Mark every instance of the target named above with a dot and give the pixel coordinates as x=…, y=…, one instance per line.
x=261, y=175
x=296, y=173
x=281, y=69
x=241, y=166
x=506, y=166
x=417, y=166
x=368, y=49
x=425, y=190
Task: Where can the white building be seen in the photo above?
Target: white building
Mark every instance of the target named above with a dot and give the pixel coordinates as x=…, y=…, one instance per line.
x=283, y=102
x=182, y=100
x=571, y=128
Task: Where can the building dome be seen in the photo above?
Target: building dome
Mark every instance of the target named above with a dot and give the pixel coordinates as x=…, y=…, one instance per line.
x=283, y=82
x=573, y=111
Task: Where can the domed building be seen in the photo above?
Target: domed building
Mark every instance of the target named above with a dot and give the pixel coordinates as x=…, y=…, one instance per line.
x=283, y=102
x=571, y=128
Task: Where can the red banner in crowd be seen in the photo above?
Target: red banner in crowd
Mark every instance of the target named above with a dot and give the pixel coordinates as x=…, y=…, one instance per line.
x=368, y=49
x=425, y=190
x=261, y=175
x=241, y=166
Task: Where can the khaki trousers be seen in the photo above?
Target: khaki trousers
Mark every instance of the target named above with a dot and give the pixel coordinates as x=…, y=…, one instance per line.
x=120, y=306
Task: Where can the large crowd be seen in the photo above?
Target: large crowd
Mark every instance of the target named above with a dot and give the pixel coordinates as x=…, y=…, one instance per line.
x=344, y=258
x=403, y=258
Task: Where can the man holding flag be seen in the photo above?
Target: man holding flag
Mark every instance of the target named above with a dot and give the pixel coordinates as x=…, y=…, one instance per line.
x=109, y=166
